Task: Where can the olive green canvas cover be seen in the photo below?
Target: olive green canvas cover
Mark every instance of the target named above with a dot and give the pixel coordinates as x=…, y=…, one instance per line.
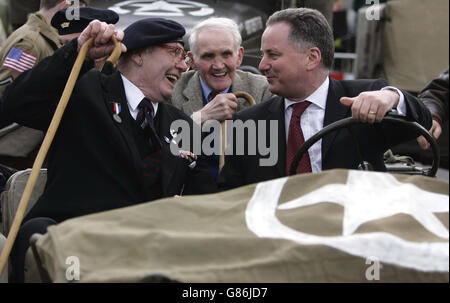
x=416, y=42
x=334, y=226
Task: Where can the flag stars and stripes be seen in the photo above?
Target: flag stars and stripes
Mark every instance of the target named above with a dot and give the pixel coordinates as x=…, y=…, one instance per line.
x=19, y=60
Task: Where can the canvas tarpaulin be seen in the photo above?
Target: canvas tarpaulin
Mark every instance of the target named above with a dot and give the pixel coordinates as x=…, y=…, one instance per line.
x=415, y=43
x=18, y=141
x=321, y=227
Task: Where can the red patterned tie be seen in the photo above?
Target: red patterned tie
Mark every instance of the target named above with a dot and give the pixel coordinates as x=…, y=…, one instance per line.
x=296, y=139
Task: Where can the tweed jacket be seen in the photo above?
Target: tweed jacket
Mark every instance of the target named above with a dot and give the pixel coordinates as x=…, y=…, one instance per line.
x=188, y=96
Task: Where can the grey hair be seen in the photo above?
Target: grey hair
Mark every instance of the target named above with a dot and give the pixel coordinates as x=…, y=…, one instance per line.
x=309, y=28
x=219, y=24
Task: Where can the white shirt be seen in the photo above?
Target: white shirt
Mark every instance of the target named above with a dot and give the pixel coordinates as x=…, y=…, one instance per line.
x=312, y=119
x=134, y=97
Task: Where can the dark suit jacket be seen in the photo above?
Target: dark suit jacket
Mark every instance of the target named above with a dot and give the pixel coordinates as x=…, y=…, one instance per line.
x=337, y=148
x=94, y=163
x=435, y=96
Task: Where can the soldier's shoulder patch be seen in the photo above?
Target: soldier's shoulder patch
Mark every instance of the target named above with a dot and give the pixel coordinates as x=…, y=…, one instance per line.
x=6, y=81
x=19, y=60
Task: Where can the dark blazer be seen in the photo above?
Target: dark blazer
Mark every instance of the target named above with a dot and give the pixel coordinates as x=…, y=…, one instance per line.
x=435, y=96
x=337, y=148
x=94, y=162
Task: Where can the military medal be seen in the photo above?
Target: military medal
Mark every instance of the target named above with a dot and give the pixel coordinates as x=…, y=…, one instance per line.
x=117, y=108
x=173, y=134
x=189, y=156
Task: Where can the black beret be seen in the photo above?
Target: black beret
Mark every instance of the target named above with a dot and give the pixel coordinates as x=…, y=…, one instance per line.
x=87, y=14
x=152, y=31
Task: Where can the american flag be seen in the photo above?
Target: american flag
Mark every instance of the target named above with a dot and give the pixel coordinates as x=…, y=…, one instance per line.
x=19, y=60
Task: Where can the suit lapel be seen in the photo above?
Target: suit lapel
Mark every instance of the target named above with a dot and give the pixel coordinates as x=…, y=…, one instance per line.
x=115, y=93
x=276, y=112
x=193, y=94
x=334, y=111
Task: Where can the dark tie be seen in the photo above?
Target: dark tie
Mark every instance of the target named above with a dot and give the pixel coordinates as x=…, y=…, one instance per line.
x=212, y=95
x=144, y=119
x=145, y=114
x=213, y=160
x=152, y=162
x=296, y=139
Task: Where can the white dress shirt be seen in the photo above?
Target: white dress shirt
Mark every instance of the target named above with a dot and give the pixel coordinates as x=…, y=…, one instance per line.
x=134, y=97
x=312, y=119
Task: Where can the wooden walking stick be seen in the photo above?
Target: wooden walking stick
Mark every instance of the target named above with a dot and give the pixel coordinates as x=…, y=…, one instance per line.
x=47, y=142
x=252, y=102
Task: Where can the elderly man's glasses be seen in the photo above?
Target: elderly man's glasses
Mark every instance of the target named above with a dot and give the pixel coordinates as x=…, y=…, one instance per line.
x=176, y=51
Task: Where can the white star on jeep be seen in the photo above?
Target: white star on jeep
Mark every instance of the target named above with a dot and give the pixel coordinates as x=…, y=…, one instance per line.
x=160, y=8
x=368, y=197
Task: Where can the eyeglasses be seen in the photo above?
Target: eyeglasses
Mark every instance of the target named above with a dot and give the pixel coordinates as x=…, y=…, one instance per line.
x=176, y=51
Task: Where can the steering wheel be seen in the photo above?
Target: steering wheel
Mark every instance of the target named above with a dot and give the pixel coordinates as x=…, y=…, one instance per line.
x=348, y=122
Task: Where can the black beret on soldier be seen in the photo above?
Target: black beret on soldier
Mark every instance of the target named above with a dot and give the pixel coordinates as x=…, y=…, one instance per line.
x=87, y=14
x=152, y=31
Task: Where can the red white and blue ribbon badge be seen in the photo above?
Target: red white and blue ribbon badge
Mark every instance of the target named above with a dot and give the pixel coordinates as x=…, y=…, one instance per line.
x=117, y=108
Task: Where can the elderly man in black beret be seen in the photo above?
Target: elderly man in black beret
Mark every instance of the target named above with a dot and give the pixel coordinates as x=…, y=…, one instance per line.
x=112, y=148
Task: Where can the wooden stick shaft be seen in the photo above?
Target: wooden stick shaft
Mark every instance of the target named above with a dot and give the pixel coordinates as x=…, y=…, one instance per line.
x=223, y=141
x=42, y=153
x=223, y=125
x=116, y=52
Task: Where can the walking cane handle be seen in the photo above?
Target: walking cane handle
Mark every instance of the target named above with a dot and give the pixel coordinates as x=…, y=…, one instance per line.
x=246, y=96
x=116, y=52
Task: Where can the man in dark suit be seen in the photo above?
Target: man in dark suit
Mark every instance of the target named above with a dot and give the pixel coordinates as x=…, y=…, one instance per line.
x=298, y=51
x=112, y=147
